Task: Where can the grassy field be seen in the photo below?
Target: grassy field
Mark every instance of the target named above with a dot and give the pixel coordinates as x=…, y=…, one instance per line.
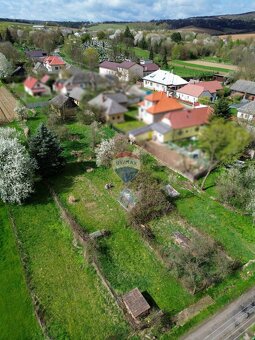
x=17, y=319
x=75, y=304
x=182, y=71
x=131, y=121
x=200, y=67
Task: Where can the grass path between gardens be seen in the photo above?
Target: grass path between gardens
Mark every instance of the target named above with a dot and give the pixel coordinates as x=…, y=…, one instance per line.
x=75, y=304
x=17, y=320
x=125, y=259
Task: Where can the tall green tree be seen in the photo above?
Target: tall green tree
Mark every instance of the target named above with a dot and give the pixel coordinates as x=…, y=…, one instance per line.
x=151, y=56
x=221, y=108
x=176, y=37
x=45, y=149
x=223, y=141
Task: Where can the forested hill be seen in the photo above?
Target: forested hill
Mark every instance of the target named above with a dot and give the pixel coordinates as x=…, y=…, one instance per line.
x=224, y=23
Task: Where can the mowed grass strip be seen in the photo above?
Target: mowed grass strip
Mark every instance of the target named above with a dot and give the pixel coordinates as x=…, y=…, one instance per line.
x=17, y=320
x=76, y=305
x=231, y=229
x=125, y=259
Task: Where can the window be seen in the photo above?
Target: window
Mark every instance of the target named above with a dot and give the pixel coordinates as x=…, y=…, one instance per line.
x=197, y=129
x=113, y=118
x=118, y=117
x=180, y=132
x=56, y=67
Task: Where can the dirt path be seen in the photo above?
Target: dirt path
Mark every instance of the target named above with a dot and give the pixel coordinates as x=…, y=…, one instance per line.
x=213, y=65
x=230, y=323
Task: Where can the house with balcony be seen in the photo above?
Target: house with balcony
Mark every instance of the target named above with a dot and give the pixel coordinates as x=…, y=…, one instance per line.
x=53, y=64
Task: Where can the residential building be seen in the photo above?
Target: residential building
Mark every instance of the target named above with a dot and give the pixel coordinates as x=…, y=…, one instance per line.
x=64, y=106
x=125, y=71
x=245, y=88
x=36, y=55
x=175, y=125
x=77, y=94
x=80, y=79
x=114, y=112
x=163, y=81
x=35, y=87
x=155, y=106
x=247, y=112
x=148, y=67
x=53, y=64
x=192, y=92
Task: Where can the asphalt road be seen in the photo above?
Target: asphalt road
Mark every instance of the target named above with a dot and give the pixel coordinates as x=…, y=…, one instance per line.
x=230, y=323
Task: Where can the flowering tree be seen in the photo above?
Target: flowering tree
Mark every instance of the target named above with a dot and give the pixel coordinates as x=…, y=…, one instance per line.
x=106, y=151
x=21, y=112
x=16, y=168
x=5, y=66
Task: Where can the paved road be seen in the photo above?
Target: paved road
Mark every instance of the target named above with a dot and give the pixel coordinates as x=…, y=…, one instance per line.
x=230, y=323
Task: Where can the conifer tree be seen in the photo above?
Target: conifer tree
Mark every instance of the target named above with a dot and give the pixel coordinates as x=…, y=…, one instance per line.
x=46, y=150
x=151, y=56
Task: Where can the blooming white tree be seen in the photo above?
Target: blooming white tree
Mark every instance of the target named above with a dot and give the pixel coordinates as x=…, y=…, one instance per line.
x=5, y=66
x=21, y=112
x=107, y=149
x=16, y=168
x=105, y=152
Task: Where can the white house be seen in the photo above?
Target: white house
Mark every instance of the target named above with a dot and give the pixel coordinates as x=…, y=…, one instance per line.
x=125, y=71
x=192, y=92
x=53, y=64
x=163, y=81
x=247, y=112
x=155, y=106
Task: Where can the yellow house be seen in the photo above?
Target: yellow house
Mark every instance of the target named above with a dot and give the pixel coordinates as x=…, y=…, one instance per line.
x=174, y=126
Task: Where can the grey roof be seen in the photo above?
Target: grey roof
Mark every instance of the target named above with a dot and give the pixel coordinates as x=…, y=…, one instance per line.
x=244, y=86
x=109, y=105
x=119, y=97
x=36, y=54
x=127, y=64
x=248, y=108
x=59, y=100
x=141, y=130
x=80, y=77
x=161, y=127
x=77, y=93
x=134, y=90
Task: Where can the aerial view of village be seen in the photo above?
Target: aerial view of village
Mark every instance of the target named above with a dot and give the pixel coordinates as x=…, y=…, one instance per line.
x=127, y=170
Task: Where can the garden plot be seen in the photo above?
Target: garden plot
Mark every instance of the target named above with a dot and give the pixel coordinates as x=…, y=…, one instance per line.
x=72, y=299
x=124, y=257
x=7, y=106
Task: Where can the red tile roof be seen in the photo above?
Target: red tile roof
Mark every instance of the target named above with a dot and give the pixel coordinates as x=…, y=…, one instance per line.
x=163, y=103
x=194, y=90
x=155, y=97
x=30, y=82
x=211, y=86
x=53, y=60
x=45, y=78
x=187, y=118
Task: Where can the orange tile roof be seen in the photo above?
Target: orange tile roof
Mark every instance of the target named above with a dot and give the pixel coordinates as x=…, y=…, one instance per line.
x=156, y=96
x=166, y=104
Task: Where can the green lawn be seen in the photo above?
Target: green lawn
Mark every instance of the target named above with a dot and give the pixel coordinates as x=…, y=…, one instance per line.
x=131, y=121
x=140, y=53
x=17, y=319
x=182, y=71
x=75, y=303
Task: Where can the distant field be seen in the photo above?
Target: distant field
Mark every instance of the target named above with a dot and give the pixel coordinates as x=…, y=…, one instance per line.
x=242, y=36
x=196, y=64
x=199, y=30
x=188, y=72
x=213, y=65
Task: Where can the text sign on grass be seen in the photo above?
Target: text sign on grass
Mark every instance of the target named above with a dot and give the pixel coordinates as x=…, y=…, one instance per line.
x=126, y=165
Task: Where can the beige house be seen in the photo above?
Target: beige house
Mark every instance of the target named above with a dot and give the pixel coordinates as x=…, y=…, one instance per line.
x=125, y=71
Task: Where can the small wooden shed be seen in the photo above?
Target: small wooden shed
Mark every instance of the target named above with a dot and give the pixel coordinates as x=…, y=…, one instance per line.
x=135, y=303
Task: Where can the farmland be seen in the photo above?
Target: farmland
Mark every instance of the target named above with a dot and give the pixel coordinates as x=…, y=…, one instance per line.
x=7, y=105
